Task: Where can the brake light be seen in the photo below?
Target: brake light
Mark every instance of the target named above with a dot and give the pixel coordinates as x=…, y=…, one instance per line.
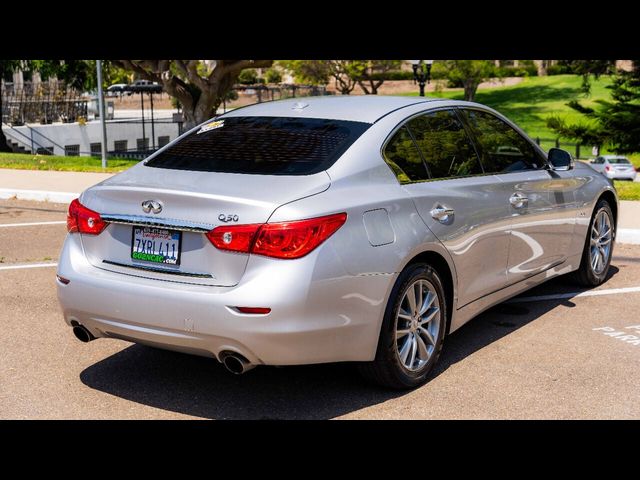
x=81, y=219
x=607, y=168
x=279, y=240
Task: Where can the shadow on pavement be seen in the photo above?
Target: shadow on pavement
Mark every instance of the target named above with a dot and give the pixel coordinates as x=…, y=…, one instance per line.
x=201, y=387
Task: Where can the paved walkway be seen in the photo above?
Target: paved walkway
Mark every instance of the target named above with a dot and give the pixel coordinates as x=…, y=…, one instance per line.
x=46, y=185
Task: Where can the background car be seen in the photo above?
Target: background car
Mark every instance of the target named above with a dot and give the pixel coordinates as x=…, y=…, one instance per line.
x=614, y=167
x=330, y=229
x=116, y=89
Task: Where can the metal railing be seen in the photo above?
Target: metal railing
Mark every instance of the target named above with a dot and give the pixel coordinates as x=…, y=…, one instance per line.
x=30, y=144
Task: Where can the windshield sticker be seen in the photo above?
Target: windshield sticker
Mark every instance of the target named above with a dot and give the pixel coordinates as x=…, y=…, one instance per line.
x=211, y=126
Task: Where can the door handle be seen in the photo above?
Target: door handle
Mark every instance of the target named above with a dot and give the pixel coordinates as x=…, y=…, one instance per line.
x=518, y=200
x=442, y=214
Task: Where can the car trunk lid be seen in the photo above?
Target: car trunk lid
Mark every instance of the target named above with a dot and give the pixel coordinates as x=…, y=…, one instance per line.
x=192, y=203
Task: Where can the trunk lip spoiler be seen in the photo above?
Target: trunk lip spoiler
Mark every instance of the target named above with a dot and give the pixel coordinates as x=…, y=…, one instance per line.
x=171, y=223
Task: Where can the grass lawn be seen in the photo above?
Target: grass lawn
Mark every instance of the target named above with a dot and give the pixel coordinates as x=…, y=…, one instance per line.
x=627, y=190
x=531, y=101
x=61, y=163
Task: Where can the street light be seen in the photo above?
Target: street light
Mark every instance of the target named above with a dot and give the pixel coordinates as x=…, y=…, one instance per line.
x=420, y=75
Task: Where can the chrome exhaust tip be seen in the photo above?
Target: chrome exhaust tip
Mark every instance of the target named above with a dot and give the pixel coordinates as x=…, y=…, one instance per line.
x=83, y=334
x=236, y=363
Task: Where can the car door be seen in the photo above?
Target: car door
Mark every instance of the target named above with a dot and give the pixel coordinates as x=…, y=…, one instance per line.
x=541, y=202
x=437, y=164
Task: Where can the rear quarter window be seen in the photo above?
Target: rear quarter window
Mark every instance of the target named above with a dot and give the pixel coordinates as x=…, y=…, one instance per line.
x=262, y=145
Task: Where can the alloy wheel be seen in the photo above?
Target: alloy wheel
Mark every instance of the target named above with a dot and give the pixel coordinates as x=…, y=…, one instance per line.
x=418, y=324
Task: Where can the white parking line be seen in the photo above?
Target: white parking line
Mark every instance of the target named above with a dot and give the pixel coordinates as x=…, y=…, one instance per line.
x=32, y=224
x=28, y=265
x=590, y=293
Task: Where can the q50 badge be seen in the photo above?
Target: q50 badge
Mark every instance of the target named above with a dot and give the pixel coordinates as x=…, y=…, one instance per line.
x=228, y=218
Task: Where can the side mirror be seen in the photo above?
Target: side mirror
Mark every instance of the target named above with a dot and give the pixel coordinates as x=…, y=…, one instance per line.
x=560, y=160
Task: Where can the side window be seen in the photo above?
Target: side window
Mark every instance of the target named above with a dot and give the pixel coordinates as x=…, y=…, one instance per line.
x=599, y=160
x=404, y=159
x=444, y=143
x=503, y=149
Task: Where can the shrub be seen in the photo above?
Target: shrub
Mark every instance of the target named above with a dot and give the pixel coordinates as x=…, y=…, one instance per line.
x=558, y=69
x=273, y=75
x=248, y=76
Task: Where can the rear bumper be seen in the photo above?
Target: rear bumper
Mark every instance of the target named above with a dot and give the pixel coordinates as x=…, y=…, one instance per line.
x=319, y=313
x=622, y=175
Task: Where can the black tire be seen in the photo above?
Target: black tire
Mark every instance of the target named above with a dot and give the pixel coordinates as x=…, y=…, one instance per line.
x=387, y=369
x=585, y=275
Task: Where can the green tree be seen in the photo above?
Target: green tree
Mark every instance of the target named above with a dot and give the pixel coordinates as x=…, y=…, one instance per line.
x=468, y=73
x=199, y=86
x=616, y=123
x=587, y=69
x=346, y=74
x=314, y=72
x=273, y=75
x=372, y=74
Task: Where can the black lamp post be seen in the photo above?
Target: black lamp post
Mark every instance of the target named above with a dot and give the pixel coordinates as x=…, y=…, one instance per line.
x=421, y=75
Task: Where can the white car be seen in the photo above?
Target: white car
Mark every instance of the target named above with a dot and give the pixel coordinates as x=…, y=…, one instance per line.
x=614, y=167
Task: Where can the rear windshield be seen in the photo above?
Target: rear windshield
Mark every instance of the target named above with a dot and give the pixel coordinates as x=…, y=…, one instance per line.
x=262, y=145
x=618, y=160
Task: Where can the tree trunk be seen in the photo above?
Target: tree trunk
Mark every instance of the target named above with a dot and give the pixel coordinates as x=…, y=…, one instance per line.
x=470, y=87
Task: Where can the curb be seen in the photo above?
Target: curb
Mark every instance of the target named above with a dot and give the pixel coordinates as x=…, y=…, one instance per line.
x=628, y=235
x=38, y=195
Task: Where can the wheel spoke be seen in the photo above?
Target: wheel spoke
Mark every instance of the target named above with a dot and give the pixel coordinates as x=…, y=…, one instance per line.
x=404, y=316
x=414, y=351
x=428, y=301
x=594, y=258
x=598, y=260
x=427, y=334
x=605, y=234
x=423, y=351
x=411, y=298
x=401, y=333
x=418, y=289
x=605, y=241
x=427, y=318
x=404, y=351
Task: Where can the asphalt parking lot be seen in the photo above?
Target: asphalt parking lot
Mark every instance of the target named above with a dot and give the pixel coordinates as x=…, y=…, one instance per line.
x=561, y=356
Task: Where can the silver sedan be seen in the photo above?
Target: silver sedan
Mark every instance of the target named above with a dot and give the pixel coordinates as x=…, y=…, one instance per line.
x=361, y=229
x=614, y=167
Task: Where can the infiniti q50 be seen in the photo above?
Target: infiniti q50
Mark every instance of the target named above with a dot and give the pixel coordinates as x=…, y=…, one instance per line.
x=361, y=229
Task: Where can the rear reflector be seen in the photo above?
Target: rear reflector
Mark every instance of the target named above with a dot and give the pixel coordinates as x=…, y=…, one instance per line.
x=278, y=240
x=254, y=310
x=62, y=280
x=81, y=219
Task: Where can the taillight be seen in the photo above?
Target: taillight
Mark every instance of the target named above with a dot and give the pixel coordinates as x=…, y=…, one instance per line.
x=279, y=240
x=607, y=168
x=81, y=219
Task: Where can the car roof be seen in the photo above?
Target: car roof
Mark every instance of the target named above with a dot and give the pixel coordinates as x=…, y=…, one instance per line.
x=357, y=108
x=613, y=157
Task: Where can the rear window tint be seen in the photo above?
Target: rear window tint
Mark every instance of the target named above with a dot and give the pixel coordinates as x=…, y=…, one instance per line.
x=619, y=160
x=262, y=145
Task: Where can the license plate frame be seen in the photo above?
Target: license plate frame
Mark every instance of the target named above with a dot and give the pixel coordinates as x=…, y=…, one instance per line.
x=153, y=256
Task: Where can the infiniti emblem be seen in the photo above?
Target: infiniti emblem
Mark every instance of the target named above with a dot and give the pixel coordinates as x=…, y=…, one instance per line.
x=153, y=206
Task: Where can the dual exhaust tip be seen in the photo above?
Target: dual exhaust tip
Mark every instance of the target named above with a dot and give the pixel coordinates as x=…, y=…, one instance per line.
x=233, y=362
x=83, y=334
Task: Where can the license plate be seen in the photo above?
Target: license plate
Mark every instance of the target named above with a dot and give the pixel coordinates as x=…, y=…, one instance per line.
x=156, y=245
